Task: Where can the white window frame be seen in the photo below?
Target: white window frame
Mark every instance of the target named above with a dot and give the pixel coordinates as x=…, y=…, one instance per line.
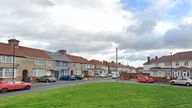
x=4, y=59
x=38, y=72
x=40, y=61
x=3, y=73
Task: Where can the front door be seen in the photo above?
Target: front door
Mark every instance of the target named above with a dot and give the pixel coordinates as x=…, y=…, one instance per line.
x=25, y=76
x=56, y=74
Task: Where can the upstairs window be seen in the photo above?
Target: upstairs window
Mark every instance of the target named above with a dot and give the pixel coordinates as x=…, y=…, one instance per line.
x=186, y=63
x=7, y=59
x=40, y=61
x=57, y=63
x=168, y=63
x=177, y=63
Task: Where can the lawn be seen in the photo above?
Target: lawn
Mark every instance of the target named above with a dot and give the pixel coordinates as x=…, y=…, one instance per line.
x=103, y=95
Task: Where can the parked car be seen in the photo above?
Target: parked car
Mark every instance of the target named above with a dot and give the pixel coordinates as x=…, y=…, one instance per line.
x=109, y=74
x=8, y=85
x=182, y=81
x=78, y=77
x=115, y=75
x=46, y=78
x=67, y=77
x=145, y=79
x=103, y=75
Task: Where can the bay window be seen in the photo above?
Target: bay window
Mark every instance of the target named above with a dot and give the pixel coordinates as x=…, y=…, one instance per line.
x=7, y=73
x=39, y=72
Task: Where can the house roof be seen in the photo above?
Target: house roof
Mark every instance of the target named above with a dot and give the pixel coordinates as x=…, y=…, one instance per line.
x=7, y=49
x=112, y=64
x=58, y=57
x=178, y=56
x=77, y=59
x=131, y=67
x=97, y=62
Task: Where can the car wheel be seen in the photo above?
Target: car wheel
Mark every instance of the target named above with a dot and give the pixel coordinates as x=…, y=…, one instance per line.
x=37, y=80
x=27, y=87
x=47, y=81
x=188, y=84
x=172, y=83
x=4, y=90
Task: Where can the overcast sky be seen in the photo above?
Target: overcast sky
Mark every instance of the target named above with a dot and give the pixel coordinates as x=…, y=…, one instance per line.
x=94, y=28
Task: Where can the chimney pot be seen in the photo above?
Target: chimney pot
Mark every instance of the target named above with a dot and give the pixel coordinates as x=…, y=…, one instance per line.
x=64, y=52
x=13, y=42
x=148, y=59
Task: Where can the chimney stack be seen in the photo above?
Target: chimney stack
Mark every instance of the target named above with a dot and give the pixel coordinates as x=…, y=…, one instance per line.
x=148, y=59
x=156, y=57
x=13, y=42
x=64, y=52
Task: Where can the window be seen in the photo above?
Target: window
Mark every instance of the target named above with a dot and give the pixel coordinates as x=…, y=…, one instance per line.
x=175, y=74
x=186, y=63
x=57, y=63
x=156, y=64
x=167, y=63
x=79, y=72
x=10, y=82
x=78, y=65
x=1, y=73
x=18, y=82
x=184, y=74
x=64, y=72
x=64, y=64
x=38, y=72
x=177, y=63
x=7, y=59
x=8, y=73
x=40, y=61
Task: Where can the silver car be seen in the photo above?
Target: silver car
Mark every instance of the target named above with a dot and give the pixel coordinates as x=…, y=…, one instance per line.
x=182, y=81
x=46, y=79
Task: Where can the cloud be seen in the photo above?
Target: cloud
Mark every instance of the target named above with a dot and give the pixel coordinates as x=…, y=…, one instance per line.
x=95, y=28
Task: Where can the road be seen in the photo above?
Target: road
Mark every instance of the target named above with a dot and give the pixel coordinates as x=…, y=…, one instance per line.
x=59, y=84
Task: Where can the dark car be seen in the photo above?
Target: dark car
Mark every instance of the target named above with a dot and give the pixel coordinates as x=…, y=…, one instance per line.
x=67, y=77
x=78, y=77
x=46, y=79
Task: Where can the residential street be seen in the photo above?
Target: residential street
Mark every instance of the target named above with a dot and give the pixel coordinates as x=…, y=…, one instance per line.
x=58, y=84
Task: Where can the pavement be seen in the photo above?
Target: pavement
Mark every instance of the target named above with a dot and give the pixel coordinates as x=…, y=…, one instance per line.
x=59, y=84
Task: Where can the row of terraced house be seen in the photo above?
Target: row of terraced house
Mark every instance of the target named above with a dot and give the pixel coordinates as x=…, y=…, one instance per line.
x=170, y=66
x=30, y=63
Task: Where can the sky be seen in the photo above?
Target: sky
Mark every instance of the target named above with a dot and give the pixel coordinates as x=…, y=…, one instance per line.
x=95, y=28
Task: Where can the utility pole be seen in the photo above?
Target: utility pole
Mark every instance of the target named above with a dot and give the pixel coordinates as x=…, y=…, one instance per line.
x=171, y=67
x=13, y=62
x=117, y=63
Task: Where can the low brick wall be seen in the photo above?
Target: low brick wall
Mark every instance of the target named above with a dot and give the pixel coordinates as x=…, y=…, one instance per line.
x=160, y=79
x=128, y=76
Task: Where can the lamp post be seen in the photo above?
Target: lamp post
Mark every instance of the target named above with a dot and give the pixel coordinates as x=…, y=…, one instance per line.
x=116, y=62
x=13, y=62
x=171, y=66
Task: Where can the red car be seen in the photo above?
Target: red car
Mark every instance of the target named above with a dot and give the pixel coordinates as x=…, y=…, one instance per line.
x=8, y=85
x=145, y=79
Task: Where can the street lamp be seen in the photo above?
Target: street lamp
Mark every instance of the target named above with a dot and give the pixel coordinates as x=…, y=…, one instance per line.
x=13, y=62
x=116, y=63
